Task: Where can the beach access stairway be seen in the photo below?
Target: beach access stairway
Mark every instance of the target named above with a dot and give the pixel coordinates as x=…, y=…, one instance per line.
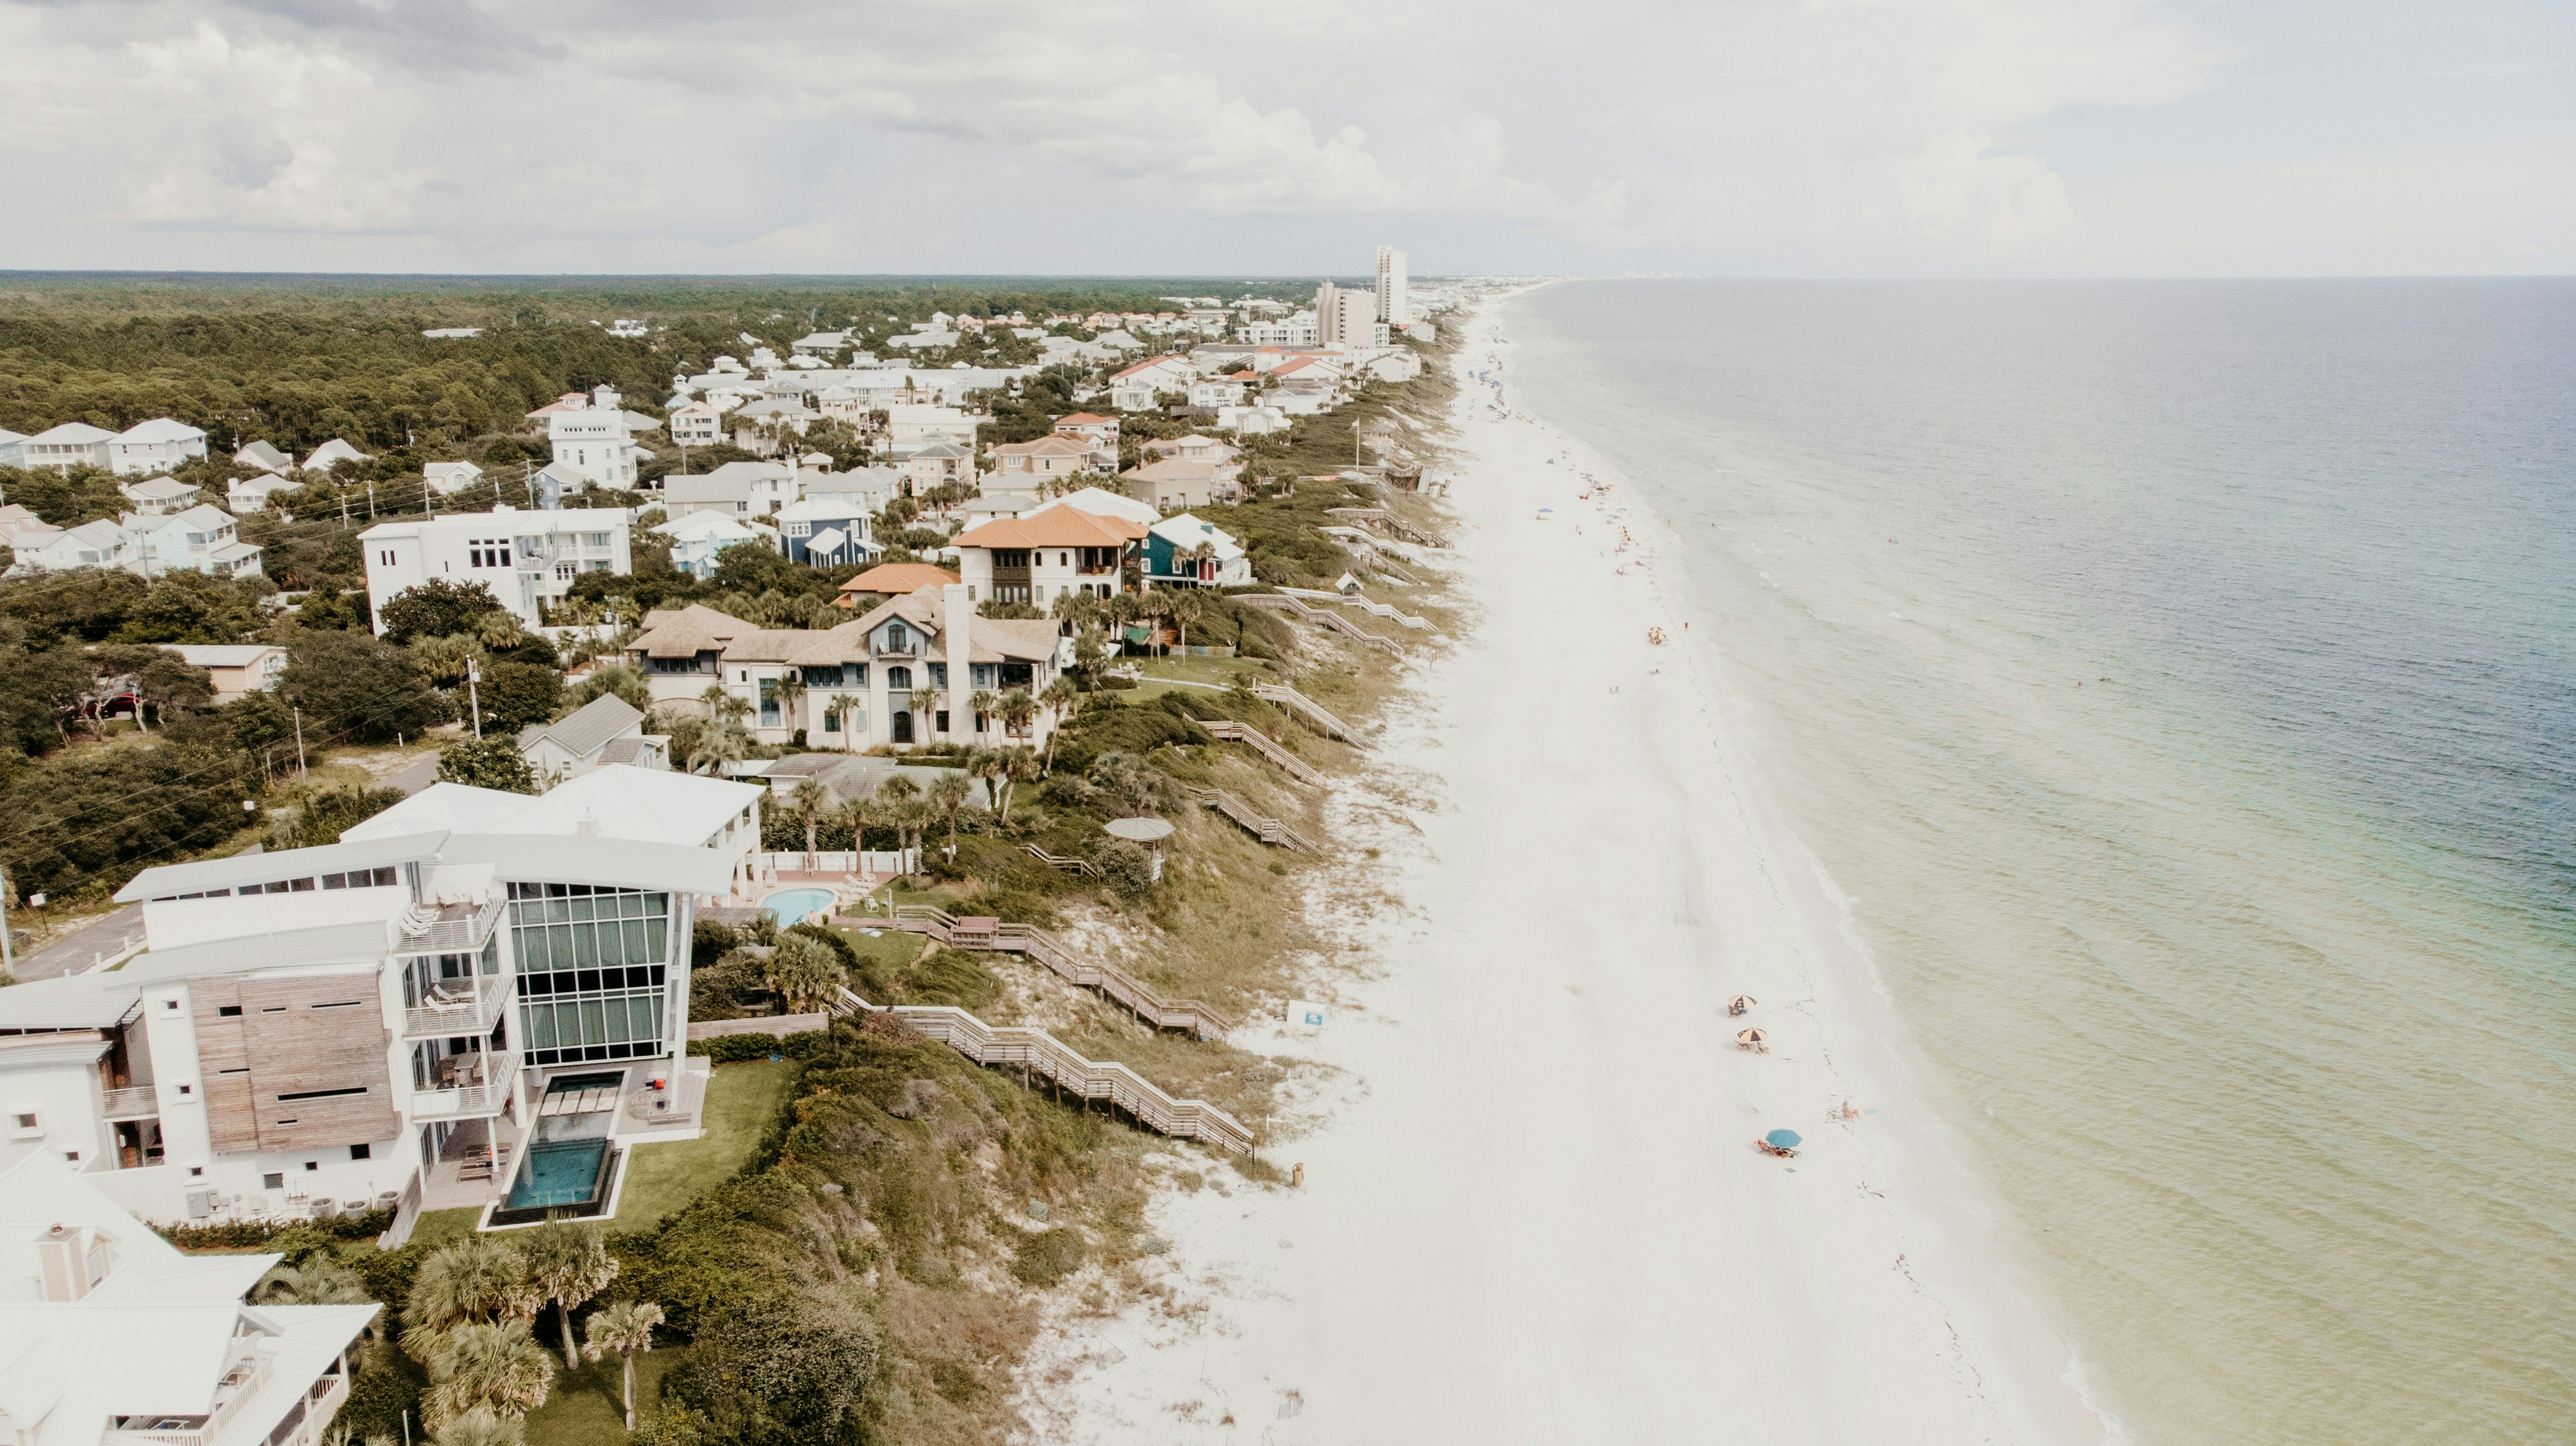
x=1261, y=825
x=1298, y=607
x=1229, y=731
x=1085, y=867
x=1038, y=1053
x=1314, y=714
x=1366, y=605
x=1387, y=520
x=985, y=935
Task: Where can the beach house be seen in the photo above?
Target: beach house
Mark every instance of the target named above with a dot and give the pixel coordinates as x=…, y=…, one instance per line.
x=597, y=440
x=449, y=478
x=159, y=496
x=200, y=539
x=528, y=558
x=737, y=489
x=73, y=444
x=234, y=668
x=604, y=731
x=700, y=538
x=158, y=445
x=1047, y=555
x=1171, y=485
x=903, y=673
x=110, y=1334
x=826, y=531
x=1182, y=551
x=1031, y=466
x=469, y=977
x=332, y=453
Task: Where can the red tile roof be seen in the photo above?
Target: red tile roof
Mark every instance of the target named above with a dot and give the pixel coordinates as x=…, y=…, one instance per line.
x=1055, y=527
x=897, y=578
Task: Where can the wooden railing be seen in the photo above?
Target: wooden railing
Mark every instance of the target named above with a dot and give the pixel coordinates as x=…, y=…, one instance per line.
x=1315, y=714
x=1366, y=605
x=1130, y=992
x=1039, y=1053
x=1085, y=867
x=1321, y=618
x=1259, y=742
x=133, y=1102
x=1263, y=827
x=1387, y=520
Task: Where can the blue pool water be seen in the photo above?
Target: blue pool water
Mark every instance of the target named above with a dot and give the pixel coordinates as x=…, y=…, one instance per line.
x=790, y=906
x=558, y=1172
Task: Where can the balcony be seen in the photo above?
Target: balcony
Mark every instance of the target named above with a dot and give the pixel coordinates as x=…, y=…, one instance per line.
x=140, y=1102
x=473, y=1085
x=449, y=928
x=460, y=1012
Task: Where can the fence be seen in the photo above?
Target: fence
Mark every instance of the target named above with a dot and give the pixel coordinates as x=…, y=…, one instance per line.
x=828, y=861
x=781, y=1025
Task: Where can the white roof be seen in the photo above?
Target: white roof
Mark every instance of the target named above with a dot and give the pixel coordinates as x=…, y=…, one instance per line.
x=705, y=526
x=41, y=1192
x=830, y=505
x=221, y=655
x=517, y=521
x=335, y=450
x=72, y=434
x=1106, y=504
x=616, y=802
x=443, y=469
x=1185, y=532
x=161, y=429
x=160, y=487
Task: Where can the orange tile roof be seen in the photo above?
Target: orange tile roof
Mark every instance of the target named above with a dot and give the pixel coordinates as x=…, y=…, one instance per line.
x=1083, y=417
x=1055, y=527
x=898, y=578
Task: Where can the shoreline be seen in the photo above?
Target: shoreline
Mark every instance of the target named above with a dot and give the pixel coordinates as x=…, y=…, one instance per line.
x=1532, y=1207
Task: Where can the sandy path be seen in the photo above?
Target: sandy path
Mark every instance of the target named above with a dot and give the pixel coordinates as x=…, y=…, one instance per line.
x=1536, y=1213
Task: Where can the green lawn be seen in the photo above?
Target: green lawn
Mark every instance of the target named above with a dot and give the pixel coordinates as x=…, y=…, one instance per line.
x=583, y=1409
x=661, y=1179
x=437, y=1227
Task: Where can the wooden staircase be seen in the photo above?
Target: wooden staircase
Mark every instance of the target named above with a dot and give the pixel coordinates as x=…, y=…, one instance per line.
x=1259, y=742
x=1130, y=992
x=1281, y=602
x=1039, y=1053
x=1366, y=605
x=1389, y=521
x=1315, y=714
x=1262, y=826
x=1084, y=867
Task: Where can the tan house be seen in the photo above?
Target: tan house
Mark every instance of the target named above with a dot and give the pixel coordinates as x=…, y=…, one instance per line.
x=235, y=668
x=1029, y=466
x=1175, y=486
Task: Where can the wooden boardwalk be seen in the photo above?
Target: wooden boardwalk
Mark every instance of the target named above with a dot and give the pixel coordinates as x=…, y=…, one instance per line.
x=1262, y=826
x=1038, y=1054
x=1229, y=731
x=1130, y=992
x=1366, y=605
x=1315, y=715
x=1281, y=602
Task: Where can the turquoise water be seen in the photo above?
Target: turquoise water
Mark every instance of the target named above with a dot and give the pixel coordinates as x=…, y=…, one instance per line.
x=2182, y=676
x=789, y=906
x=558, y=1172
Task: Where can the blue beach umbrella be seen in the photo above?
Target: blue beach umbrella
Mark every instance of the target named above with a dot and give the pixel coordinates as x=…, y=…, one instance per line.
x=1785, y=1139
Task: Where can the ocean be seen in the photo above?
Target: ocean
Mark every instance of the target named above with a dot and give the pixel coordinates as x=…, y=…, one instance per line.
x=2181, y=677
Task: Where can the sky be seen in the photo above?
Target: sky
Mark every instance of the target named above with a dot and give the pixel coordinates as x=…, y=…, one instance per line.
x=1762, y=138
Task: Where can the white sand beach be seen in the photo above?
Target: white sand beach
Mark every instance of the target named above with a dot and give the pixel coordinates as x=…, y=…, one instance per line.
x=1533, y=1209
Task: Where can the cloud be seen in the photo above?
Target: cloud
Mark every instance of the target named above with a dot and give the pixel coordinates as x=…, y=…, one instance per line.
x=1885, y=136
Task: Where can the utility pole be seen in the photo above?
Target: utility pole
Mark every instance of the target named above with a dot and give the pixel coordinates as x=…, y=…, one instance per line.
x=371, y=502
x=344, y=512
x=8, y=955
x=473, y=697
x=299, y=743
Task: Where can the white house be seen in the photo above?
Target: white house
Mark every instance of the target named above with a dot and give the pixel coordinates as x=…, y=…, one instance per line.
x=73, y=444
x=1032, y=465
x=1101, y=503
x=1251, y=421
x=449, y=478
x=160, y=496
x=333, y=452
x=154, y=446
x=598, y=440
x=265, y=457
x=200, y=539
x=1046, y=555
x=468, y=974
x=1218, y=391
x=528, y=559
x=1134, y=388
x=110, y=1334
x=698, y=537
x=911, y=428
x=607, y=730
x=904, y=673
x=253, y=494
x=697, y=424
x=51, y=549
x=737, y=489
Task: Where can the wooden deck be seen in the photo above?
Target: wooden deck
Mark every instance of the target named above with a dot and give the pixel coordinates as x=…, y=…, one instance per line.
x=1131, y=993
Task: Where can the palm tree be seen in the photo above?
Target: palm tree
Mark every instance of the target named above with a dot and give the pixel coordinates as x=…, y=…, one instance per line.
x=1063, y=700
x=1187, y=607
x=476, y=1428
x=807, y=805
x=805, y=973
x=723, y=706
x=320, y=1280
x=836, y=714
x=982, y=702
x=1019, y=765
x=496, y=1367
x=893, y=805
x=479, y=1278
x=948, y=793
x=570, y=1263
x=855, y=815
x=446, y=660
x=789, y=690
x=499, y=630
x=723, y=744
x=1018, y=711
x=626, y=1328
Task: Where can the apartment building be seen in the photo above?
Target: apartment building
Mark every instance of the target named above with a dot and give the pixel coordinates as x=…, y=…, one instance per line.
x=597, y=440
x=109, y=1334
x=1394, y=299
x=528, y=559
x=353, y=1026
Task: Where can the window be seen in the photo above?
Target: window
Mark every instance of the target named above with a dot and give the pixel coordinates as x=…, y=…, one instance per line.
x=311, y=1167
x=274, y=1180
x=898, y=679
x=385, y=557
x=323, y=1094
x=28, y=1123
x=361, y=1152
x=196, y=1172
x=941, y=722
x=939, y=675
x=898, y=639
x=592, y=971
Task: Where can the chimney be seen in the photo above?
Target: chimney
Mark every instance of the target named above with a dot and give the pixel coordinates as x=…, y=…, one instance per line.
x=961, y=672
x=587, y=826
x=58, y=1251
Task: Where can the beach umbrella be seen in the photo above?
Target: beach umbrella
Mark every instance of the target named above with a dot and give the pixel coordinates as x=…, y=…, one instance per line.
x=1782, y=1139
x=1739, y=1004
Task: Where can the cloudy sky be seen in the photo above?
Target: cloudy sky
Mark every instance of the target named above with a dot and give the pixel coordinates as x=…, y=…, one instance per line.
x=1723, y=137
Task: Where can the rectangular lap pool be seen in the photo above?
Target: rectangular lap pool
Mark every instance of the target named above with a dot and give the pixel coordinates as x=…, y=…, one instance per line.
x=559, y=1177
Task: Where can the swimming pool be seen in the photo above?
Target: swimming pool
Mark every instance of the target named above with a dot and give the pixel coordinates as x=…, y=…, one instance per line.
x=790, y=906
x=558, y=1172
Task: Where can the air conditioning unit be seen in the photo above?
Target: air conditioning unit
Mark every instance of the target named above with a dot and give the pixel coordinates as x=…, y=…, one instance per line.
x=202, y=1203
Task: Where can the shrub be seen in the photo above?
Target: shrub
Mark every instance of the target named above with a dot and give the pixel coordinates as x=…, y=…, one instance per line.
x=1047, y=1257
x=781, y=1374
x=735, y=1048
x=493, y=762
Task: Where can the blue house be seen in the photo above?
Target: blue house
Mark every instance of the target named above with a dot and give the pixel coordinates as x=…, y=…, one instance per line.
x=1182, y=551
x=826, y=531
